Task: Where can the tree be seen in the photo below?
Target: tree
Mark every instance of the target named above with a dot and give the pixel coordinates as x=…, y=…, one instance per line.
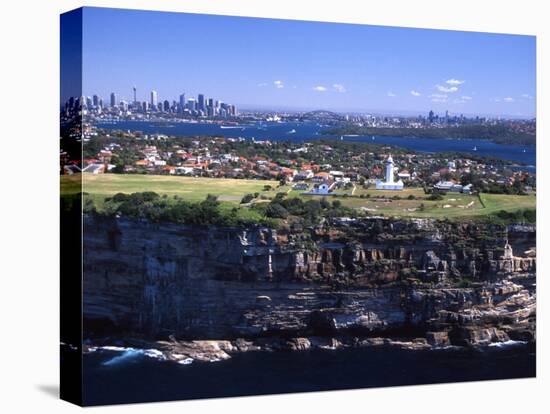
x=275, y=210
x=247, y=198
x=324, y=203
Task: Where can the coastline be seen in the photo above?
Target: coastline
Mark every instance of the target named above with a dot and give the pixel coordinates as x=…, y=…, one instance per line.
x=280, y=372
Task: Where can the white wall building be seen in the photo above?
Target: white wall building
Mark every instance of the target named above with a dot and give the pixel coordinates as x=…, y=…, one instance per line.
x=321, y=189
x=389, y=184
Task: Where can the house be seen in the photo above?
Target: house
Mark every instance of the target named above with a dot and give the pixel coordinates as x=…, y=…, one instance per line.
x=142, y=163
x=321, y=177
x=452, y=187
x=184, y=170
x=337, y=175
x=321, y=189
x=303, y=175
x=404, y=175
x=71, y=169
x=444, y=185
x=169, y=169
x=94, y=169
x=300, y=186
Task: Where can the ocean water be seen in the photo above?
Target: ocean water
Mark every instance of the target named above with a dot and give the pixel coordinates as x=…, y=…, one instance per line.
x=129, y=375
x=307, y=131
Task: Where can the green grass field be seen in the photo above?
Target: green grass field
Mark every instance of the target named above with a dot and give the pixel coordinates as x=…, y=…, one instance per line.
x=188, y=188
x=453, y=205
x=231, y=191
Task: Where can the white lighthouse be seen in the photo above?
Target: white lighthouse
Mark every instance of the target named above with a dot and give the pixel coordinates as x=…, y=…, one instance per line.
x=389, y=184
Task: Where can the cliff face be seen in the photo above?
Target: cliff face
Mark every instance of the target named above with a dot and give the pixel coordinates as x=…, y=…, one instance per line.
x=447, y=282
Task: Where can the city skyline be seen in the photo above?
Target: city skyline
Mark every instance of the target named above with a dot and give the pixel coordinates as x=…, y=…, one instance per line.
x=307, y=65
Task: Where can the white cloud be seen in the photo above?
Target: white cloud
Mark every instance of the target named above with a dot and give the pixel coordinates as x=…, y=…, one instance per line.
x=278, y=84
x=319, y=88
x=526, y=96
x=463, y=99
x=454, y=82
x=391, y=94
x=446, y=89
x=438, y=97
x=415, y=93
x=338, y=87
x=262, y=84
x=508, y=99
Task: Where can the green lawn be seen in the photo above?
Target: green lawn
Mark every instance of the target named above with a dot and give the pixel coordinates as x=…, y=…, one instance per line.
x=497, y=202
x=70, y=184
x=188, y=188
x=453, y=205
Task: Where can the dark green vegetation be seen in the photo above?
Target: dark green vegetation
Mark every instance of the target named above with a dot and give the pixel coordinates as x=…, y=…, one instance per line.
x=154, y=207
x=307, y=212
x=151, y=206
x=276, y=213
x=499, y=134
x=522, y=216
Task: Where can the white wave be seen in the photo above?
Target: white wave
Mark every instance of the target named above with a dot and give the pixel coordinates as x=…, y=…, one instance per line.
x=154, y=353
x=114, y=348
x=507, y=344
x=131, y=353
x=186, y=361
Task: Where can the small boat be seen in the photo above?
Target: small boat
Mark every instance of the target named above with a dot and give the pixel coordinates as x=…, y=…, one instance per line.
x=373, y=137
x=231, y=127
x=292, y=131
x=475, y=148
x=524, y=150
x=341, y=138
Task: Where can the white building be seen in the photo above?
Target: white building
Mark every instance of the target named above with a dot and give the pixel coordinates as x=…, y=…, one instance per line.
x=321, y=189
x=452, y=187
x=389, y=184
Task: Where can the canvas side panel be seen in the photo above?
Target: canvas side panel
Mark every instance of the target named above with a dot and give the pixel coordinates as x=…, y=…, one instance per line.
x=71, y=206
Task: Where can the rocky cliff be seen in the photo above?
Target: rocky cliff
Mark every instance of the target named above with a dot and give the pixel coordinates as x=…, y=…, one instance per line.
x=448, y=283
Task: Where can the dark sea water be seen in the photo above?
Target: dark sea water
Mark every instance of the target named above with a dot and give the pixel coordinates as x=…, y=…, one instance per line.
x=307, y=131
x=110, y=377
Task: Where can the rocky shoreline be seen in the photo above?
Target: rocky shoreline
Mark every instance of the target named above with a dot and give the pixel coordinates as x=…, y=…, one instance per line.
x=187, y=352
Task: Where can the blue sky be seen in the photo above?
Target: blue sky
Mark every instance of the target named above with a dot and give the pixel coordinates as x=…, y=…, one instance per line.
x=307, y=65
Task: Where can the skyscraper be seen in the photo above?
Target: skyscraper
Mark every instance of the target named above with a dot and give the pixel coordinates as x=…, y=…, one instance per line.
x=201, y=107
x=182, y=102
x=135, y=98
x=95, y=101
x=113, y=99
x=210, y=107
x=154, y=99
x=166, y=106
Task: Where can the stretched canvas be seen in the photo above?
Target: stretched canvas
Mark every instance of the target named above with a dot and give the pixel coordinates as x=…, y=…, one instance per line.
x=260, y=206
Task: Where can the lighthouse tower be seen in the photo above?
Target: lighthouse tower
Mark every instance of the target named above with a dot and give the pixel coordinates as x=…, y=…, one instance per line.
x=389, y=184
x=389, y=170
